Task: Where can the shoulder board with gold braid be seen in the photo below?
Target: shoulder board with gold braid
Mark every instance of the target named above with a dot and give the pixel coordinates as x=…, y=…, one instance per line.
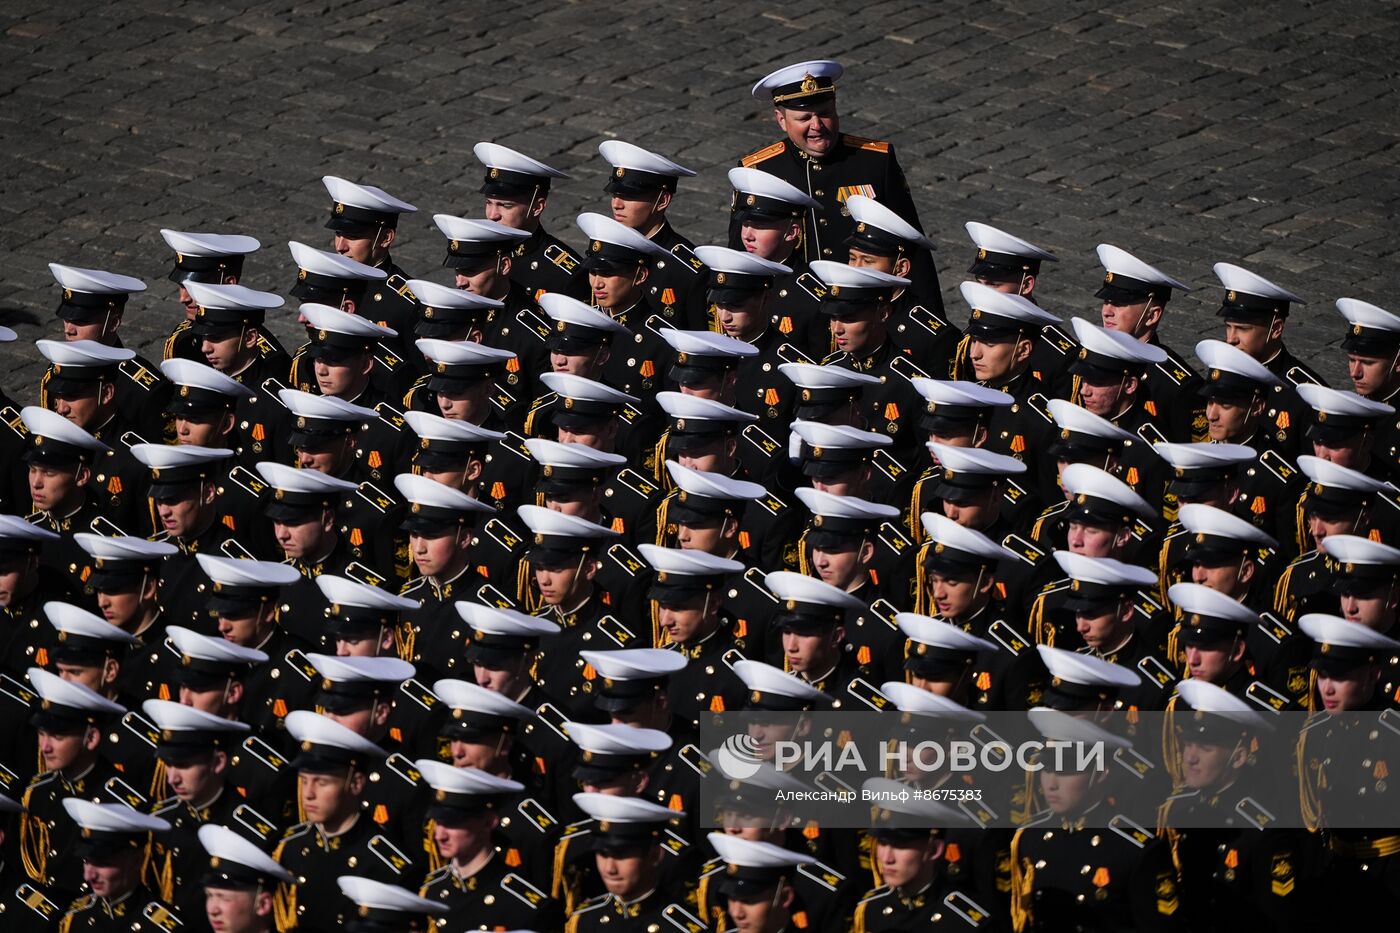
x=862, y=690
x=162, y=915
x=754, y=578
x=536, y=325
x=301, y=664
x=130, y=438
x=1179, y=373
x=271, y=387
x=630, y=413
x=550, y=715
x=140, y=375
x=1266, y=697
x=637, y=483
x=862, y=142
x=682, y=919
x=1130, y=831
x=386, y=357
x=629, y=563
x=254, y=821
x=233, y=549
x=927, y=319
x=391, y=416
x=1015, y=493
x=672, y=843
x=772, y=504
x=247, y=480
x=400, y=765
x=1157, y=673
x=501, y=397
x=264, y=753
x=697, y=760
x=1299, y=376
x=375, y=496
x=142, y=728
x=561, y=257
x=1039, y=404
x=1006, y=636
x=515, y=443
x=978, y=812
x=13, y=421
x=615, y=630
x=691, y=261
x=419, y=694
x=265, y=347
x=1057, y=339
x=1274, y=628
x=656, y=324
x=1275, y=463
x=502, y=534
x=34, y=899
x=536, y=815
x=886, y=611
x=389, y=854
x=362, y=574
x=966, y=908
x=1254, y=813
x=907, y=367
x=761, y=155
x=1149, y=433
x=887, y=464
x=122, y=792
x=790, y=354
x=488, y=595
x=530, y=895
x=761, y=440
x=810, y=284
x=894, y=539
x=1136, y=764
x=400, y=286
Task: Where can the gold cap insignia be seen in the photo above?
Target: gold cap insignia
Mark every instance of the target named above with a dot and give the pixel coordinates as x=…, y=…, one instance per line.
x=1064, y=434
x=1108, y=277
x=442, y=367
x=548, y=470
x=619, y=172
x=1200, y=537
x=1230, y=295
x=568, y=403
x=1215, y=375
x=559, y=327
x=836, y=289
x=301, y=422
x=860, y=227
x=809, y=84
x=184, y=391
x=339, y=208
x=817, y=453
x=1074, y=584
x=817, y=521
x=301, y=274
x=981, y=254
x=423, y=443
x=751, y=200
x=596, y=245
x=1322, y=416
x=417, y=507
x=454, y=246
x=720, y=277
x=495, y=173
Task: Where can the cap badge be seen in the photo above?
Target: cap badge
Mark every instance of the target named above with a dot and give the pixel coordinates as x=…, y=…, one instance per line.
x=423, y=443
x=1200, y=537
x=301, y=422
x=339, y=207
x=559, y=327
x=428, y=313
x=539, y=538
x=1083, y=353
x=1319, y=489
x=568, y=403
x=751, y=200
x=836, y=289
x=321, y=334
x=817, y=453
x=619, y=172
x=860, y=227
x=939, y=547
x=790, y=605
x=184, y=391
x=809, y=84
x=301, y=275
x=1215, y=375
x=720, y=277
x=454, y=246
x=1230, y=295
x=976, y=314
x=596, y=245
x=981, y=254
x=1064, y=434
x=417, y=507
x=1074, y=585
x=279, y=494
x=495, y=173
x=1321, y=416
x=548, y=469
x=1108, y=278
x=1356, y=328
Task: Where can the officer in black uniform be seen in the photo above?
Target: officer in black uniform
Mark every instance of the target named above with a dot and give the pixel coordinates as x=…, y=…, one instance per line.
x=580, y=343
x=1344, y=427
x=111, y=854
x=1084, y=437
x=830, y=166
x=480, y=252
x=338, y=835
x=1372, y=346
x=974, y=487
x=516, y=190
x=330, y=278
x=1255, y=312
x=194, y=748
x=364, y=221
x=847, y=461
x=211, y=258
x=1095, y=504
x=228, y=322
x=344, y=357
x=91, y=309
x=478, y=882
x=125, y=581
x=62, y=460
x=888, y=243
x=768, y=886
x=81, y=386
x=573, y=479
x=810, y=634
x=769, y=213
x=460, y=454
x=1111, y=379
x=643, y=185
x=26, y=638
x=1135, y=297
x=239, y=878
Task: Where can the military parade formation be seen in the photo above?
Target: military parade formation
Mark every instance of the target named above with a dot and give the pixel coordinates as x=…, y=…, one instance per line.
x=414, y=626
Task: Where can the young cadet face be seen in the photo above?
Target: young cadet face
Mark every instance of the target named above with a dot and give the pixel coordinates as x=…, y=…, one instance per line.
x=111, y=876
x=997, y=360
x=85, y=408
x=1204, y=765
x=304, y=539
x=617, y=292
x=1372, y=374
x=62, y=751
x=490, y=282
x=1320, y=527
x=1135, y=320
x=1110, y=398
x=194, y=783
x=98, y=329
x=17, y=576
x=489, y=758
x=509, y=680
x=642, y=213
x=565, y=586
x=599, y=435
x=851, y=482
x=1354, y=453
x=247, y=628
x=811, y=654
x=1375, y=610
x=587, y=364
x=328, y=798
x=229, y=351
x=627, y=873
x=1258, y=340
x=55, y=488
x=1229, y=420
x=890, y=265
x=464, y=401
x=124, y=608
x=1352, y=690
x=1065, y=792
x=1214, y=663
x=465, y=837
x=1025, y=285
x=816, y=132
x=369, y=246
x=1092, y=541
x=181, y=518
x=89, y=675
x=684, y=622
x=714, y=538
x=330, y=456
x=860, y=331
x=743, y=320
x=770, y=239
x=715, y=457
x=203, y=430
x=341, y=379
x=906, y=863
x=434, y=554
x=1230, y=578
x=976, y=513
x=955, y=597
x=517, y=214
x=761, y=913
x=1105, y=628
x=844, y=567
x=231, y=910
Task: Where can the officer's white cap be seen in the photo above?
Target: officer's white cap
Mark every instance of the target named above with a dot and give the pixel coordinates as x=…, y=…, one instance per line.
x=1202, y=600
x=424, y=491
x=791, y=74
x=624, y=809
x=1084, y=479
x=1337, y=476
x=1114, y=344
x=477, y=230
x=95, y=281
x=1208, y=520
x=438, y=428
x=764, y=184
x=616, y=738
x=170, y=456
x=797, y=587
x=570, y=386
x=706, y=343
x=1217, y=354
x=1121, y=262
x=225, y=844
x=324, y=317
x=1198, y=456
x=959, y=392
x=981, y=297
x=975, y=460
x=544, y=521
x=1238, y=279
x=554, y=453
x=305, y=404
x=713, y=485
x=985, y=236
x=687, y=561
x=943, y=530
x=866, y=210
x=232, y=297
x=750, y=853
x=634, y=663
x=621, y=154
x=206, y=648
x=816, y=434
x=209, y=244
x=238, y=572
x=464, y=695
x=829, y=504
x=1367, y=315
x=1064, y=727
x=1086, y=669
x=291, y=479
x=461, y=352
x=1339, y=402
x=121, y=547
x=69, y=693
x=177, y=717
x=366, y=196
x=65, y=617
x=111, y=817
x=441, y=776
x=908, y=698
x=680, y=405
x=1354, y=549
x=494, y=155
x=1077, y=418
x=572, y=311
x=345, y=592
x=376, y=895
x=432, y=295
x=82, y=353
x=306, y=726
x=607, y=230
x=840, y=275
x=51, y=424
x=198, y=376
x=940, y=634
x=815, y=376
x=492, y=620
x=334, y=265
x=765, y=678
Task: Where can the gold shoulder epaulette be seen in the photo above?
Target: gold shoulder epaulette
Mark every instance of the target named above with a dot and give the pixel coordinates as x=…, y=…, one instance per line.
x=760, y=155
x=860, y=142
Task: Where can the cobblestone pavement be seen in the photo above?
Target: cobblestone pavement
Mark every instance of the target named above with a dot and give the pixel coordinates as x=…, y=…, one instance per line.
x=1256, y=132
